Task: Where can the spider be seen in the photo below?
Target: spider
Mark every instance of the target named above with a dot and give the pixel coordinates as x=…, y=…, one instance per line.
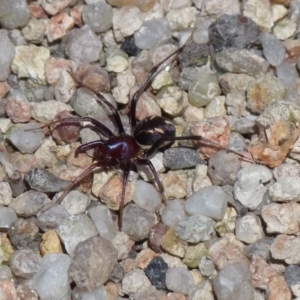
x=123, y=150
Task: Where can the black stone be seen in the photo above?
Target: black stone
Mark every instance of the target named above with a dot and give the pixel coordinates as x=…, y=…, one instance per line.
x=129, y=46
x=156, y=272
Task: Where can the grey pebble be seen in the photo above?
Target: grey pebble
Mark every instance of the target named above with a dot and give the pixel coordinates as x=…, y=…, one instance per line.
x=42, y=180
x=223, y=167
x=26, y=141
x=7, y=217
x=260, y=247
x=210, y=201
x=98, y=253
x=24, y=263
x=7, y=50
x=29, y=203
x=137, y=222
x=181, y=158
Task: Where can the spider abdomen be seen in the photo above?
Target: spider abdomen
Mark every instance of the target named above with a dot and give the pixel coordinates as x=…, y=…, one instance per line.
x=152, y=129
x=120, y=147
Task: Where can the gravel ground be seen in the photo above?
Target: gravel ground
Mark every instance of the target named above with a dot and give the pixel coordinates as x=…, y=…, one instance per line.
x=229, y=228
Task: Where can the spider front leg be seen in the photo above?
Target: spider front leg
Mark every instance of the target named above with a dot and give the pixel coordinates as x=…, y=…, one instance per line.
x=88, y=171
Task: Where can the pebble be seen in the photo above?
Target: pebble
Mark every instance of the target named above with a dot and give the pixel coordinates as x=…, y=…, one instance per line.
x=26, y=141
x=219, y=7
x=278, y=289
x=137, y=222
x=286, y=247
x=285, y=28
x=203, y=290
x=206, y=266
x=179, y=280
x=234, y=282
x=23, y=232
x=224, y=252
x=292, y=277
x=98, y=293
x=126, y=21
x=285, y=189
x=98, y=253
x=103, y=221
x=5, y=193
x=50, y=243
x=193, y=55
x=29, y=61
x=203, y=88
x=146, y=196
x=129, y=46
x=156, y=272
x=172, y=100
x=29, y=203
x=123, y=244
x=48, y=286
x=236, y=60
x=174, y=183
x=260, y=248
x=152, y=33
x=7, y=49
x=52, y=217
x=18, y=109
x=174, y=212
x=144, y=6
x=210, y=201
x=233, y=31
x=260, y=12
x=24, y=263
x=75, y=45
x=14, y=14
x=223, y=167
x=216, y=107
x=273, y=49
x=252, y=184
x=7, y=290
x=195, y=229
x=46, y=111
x=135, y=282
x=292, y=48
x=181, y=158
x=74, y=230
x=155, y=235
x=263, y=91
x=171, y=243
x=75, y=202
x=180, y=19
x=34, y=31
x=7, y=217
x=287, y=72
x=42, y=180
x=248, y=228
x=98, y=16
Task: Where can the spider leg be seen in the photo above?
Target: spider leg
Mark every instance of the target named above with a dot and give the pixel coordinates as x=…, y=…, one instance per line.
x=146, y=162
x=150, y=152
x=80, y=177
x=146, y=83
x=88, y=146
x=114, y=112
x=82, y=121
x=127, y=170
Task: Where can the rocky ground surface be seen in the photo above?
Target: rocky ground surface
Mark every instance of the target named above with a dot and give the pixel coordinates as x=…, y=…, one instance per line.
x=229, y=229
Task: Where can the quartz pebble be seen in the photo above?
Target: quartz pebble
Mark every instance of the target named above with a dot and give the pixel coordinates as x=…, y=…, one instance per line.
x=174, y=212
x=75, y=202
x=210, y=201
x=74, y=230
x=234, y=282
x=146, y=196
x=252, y=184
x=75, y=45
x=134, y=282
x=47, y=285
x=195, y=229
x=7, y=54
x=103, y=221
x=179, y=280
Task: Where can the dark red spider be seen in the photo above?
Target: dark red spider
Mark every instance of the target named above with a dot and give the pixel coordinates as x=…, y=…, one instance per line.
x=148, y=136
